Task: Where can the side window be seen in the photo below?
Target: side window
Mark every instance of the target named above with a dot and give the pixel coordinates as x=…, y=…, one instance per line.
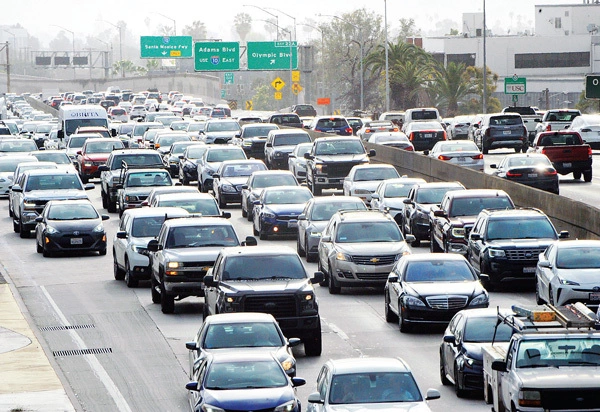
x=123, y=224
x=510, y=354
x=323, y=382
x=460, y=328
x=445, y=203
x=162, y=235
x=550, y=252
x=217, y=267
x=452, y=325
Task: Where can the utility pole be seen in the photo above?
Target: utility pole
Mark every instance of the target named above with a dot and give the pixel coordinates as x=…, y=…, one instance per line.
x=6, y=47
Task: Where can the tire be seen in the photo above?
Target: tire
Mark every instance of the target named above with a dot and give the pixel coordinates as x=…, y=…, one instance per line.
x=10, y=212
x=244, y=213
x=402, y=325
x=205, y=312
x=489, y=285
x=155, y=293
x=184, y=180
x=102, y=252
x=314, y=345
x=484, y=150
x=262, y=235
x=203, y=188
x=333, y=287
x=538, y=298
x=167, y=303
x=299, y=249
x=104, y=199
x=517, y=149
x=459, y=391
x=222, y=204
x=416, y=243
x=23, y=234
x=84, y=180
x=118, y=273
x=46, y=252
x=443, y=377
x=390, y=316
x=587, y=176
x=112, y=206
x=312, y=257
x=550, y=296
x=317, y=191
x=434, y=247
x=38, y=248
x=576, y=175
x=129, y=279
x=16, y=227
x=325, y=274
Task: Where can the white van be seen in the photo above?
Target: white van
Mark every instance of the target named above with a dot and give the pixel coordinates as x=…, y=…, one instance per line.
x=72, y=117
x=422, y=114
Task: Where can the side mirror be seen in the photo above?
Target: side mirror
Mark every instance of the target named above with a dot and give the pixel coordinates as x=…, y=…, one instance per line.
x=113, y=133
x=426, y=152
x=153, y=246
x=499, y=365
x=256, y=202
x=39, y=219
x=544, y=263
x=17, y=189
x=209, y=280
x=484, y=278
x=105, y=217
x=216, y=176
x=302, y=216
x=89, y=186
x=225, y=215
x=308, y=156
x=564, y=234
x=317, y=278
x=432, y=394
x=269, y=144
x=372, y=153
x=493, y=166
x=191, y=345
x=103, y=168
x=121, y=234
x=315, y=397
x=326, y=239
x=410, y=238
x=294, y=342
x=79, y=152
x=250, y=241
x=298, y=381
x=475, y=236
x=393, y=278
x=192, y=386
x=407, y=202
x=439, y=213
x=244, y=187
x=375, y=196
x=449, y=339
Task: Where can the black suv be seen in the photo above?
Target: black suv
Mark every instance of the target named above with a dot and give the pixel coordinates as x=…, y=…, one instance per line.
x=268, y=280
x=506, y=244
x=502, y=130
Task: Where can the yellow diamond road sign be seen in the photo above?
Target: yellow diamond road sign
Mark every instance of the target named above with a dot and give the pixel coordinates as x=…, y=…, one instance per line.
x=278, y=84
x=277, y=95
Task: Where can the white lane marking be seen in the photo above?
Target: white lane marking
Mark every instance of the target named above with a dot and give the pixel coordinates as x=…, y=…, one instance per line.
x=110, y=386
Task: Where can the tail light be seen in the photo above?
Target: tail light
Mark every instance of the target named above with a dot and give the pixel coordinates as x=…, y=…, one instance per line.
x=395, y=129
x=544, y=152
x=548, y=127
x=513, y=174
x=409, y=148
x=590, y=152
x=349, y=130
x=445, y=135
x=550, y=172
x=487, y=133
x=156, y=145
x=442, y=157
x=586, y=130
x=477, y=157
x=369, y=131
x=411, y=137
x=525, y=131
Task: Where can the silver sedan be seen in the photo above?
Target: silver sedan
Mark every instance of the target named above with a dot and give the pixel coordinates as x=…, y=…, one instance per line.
x=460, y=152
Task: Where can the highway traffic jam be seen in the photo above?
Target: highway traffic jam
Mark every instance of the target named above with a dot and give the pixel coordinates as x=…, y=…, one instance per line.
x=483, y=297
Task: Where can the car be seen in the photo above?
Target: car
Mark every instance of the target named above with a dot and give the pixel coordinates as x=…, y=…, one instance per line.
x=297, y=162
x=70, y=226
x=280, y=143
x=184, y=250
x=149, y=136
x=390, y=194
x=231, y=176
x=461, y=357
x=501, y=130
x=395, y=117
x=164, y=140
x=430, y=288
x=252, y=138
x=19, y=170
x=94, y=153
x=359, y=249
x=243, y=381
x=118, y=113
x=257, y=182
x=531, y=169
x=250, y=331
x=211, y=160
x=137, y=135
x=196, y=203
x=355, y=123
x=136, y=183
x=567, y=272
x=8, y=165
x=331, y=124
x=392, y=139
x=459, y=127
x=219, y=130
x=364, y=179
x=136, y=228
x=588, y=126
x=277, y=209
x=58, y=157
x=285, y=119
x=417, y=206
x=11, y=147
x=368, y=384
x=75, y=142
x=180, y=125
x=42, y=132
x=376, y=126
x=314, y=218
x=35, y=188
x=188, y=167
x=459, y=152
x=194, y=129
x=304, y=110
x=424, y=134
x=167, y=118
x=177, y=149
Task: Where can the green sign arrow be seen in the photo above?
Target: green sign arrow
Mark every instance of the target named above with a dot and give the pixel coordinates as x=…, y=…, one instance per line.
x=265, y=55
x=215, y=56
x=166, y=47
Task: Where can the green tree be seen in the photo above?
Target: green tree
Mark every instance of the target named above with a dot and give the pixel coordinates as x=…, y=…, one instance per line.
x=197, y=30
x=243, y=24
x=263, y=98
x=450, y=85
x=123, y=67
x=587, y=105
x=476, y=76
x=152, y=64
x=408, y=28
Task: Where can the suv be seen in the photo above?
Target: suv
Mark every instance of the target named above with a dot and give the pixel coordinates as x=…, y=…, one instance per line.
x=252, y=138
x=93, y=154
x=506, y=244
x=183, y=252
x=452, y=221
x=502, y=130
x=279, y=145
x=285, y=119
x=304, y=110
x=360, y=248
x=269, y=279
x=260, y=180
x=330, y=160
x=219, y=131
x=332, y=124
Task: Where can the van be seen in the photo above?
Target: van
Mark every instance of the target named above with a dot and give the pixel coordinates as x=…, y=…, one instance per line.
x=422, y=114
x=72, y=117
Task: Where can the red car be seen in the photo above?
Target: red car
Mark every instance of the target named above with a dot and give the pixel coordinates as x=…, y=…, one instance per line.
x=94, y=153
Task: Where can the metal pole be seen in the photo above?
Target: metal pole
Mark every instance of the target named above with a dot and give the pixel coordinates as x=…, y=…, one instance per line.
x=290, y=16
x=274, y=15
x=362, y=72
x=484, y=65
x=387, y=66
x=7, y=68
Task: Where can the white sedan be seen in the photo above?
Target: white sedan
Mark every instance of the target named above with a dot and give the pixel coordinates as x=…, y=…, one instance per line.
x=460, y=152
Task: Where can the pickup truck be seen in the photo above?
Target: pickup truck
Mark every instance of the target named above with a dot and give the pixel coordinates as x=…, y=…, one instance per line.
x=556, y=119
x=530, y=117
x=567, y=151
x=552, y=361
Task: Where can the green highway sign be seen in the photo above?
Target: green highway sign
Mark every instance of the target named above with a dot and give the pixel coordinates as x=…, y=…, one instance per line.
x=272, y=55
x=216, y=56
x=228, y=78
x=166, y=47
x=592, y=87
x=515, y=85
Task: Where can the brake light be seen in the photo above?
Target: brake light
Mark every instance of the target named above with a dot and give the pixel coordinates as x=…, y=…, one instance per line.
x=445, y=136
x=442, y=157
x=487, y=132
x=409, y=148
x=590, y=152
x=395, y=129
x=525, y=130
x=550, y=172
x=349, y=130
x=513, y=174
x=548, y=127
x=411, y=136
x=477, y=157
x=586, y=130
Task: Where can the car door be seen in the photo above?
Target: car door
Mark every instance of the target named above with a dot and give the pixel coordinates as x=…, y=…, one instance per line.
x=303, y=223
x=120, y=245
x=325, y=247
x=395, y=289
x=475, y=246
x=546, y=274
x=451, y=350
x=211, y=292
x=408, y=210
x=323, y=387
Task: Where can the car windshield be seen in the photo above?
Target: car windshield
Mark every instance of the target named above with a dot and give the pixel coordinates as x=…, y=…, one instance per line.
x=432, y=195
x=374, y=387
x=196, y=127
x=166, y=141
x=103, y=147
x=196, y=152
x=23, y=145
x=206, y=207
x=43, y=128
x=72, y=212
x=339, y=147
x=472, y=207
x=332, y=123
x=258, y=131
x=241, y=170
x=324, y=211
x=438, y=271
x=53, y=182
x=147, y=226
x=157, y=178
x=75, y=141
x=482, y=329
x=179, y=125
x=178, y=149
x=291, y=139
x=578, y=258
x=137, y=160
x=222, y=127
x=263, y=267
x=522, y=228
x=260, y=182
x=245, y=375
x=242, y=335
x=360, y=232
x=549, y=352
x=201, y=236
x=284, y=197
x=59, y=158
x=375, y=173
x=8, y=164
x=222, y=155
x=397, y=189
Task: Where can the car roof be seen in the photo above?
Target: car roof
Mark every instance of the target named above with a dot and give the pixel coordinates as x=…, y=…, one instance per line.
x=439, y=184
x=374, y=166
x=228, y=356
x=336, y=138
x=405, y=180
x=335, y=199
x=272, y=172
x=476, y=193
x=362, y=365
x=134, y=151
x=155, y=211
x=239, y=317
x=197, y=221
x=184, y=195
x=288, y=131
x=575, y=243
x=242, y=162
x=364, y=216
x=257, y=250
x=514, y=212
x=69, y=201
x=429, y=257
x=42, y=172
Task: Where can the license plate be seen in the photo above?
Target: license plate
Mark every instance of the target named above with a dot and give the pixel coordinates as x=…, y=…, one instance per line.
x=506, y=132
x=595, y=296
x=461, y=159
x=76, y=241
x=567, y=164
x=293, y=223
x=529, y=270
x=427, y=135
x=532, y=175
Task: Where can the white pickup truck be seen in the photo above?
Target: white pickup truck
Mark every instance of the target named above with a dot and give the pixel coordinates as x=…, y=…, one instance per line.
x=556, y=119
x=547, y=366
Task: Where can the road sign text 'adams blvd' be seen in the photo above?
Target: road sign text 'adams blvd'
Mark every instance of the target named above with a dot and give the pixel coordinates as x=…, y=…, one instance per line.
x=216, y=56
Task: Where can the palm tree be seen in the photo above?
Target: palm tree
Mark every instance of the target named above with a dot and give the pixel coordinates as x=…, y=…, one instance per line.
x=243, y=25
x=449, y=85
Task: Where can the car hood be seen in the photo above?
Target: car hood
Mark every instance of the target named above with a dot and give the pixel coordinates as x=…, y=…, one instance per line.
x=55, y=194
x=425, y=207
x=194, y=254
x=96, y=157
x=234, y=181
x=139, y=191
x=249, y=399
x=255, y=139
x=221, y=134
x=370, y=185
x=284, y=149
x=577, y=376
x=286, y=209
x=425, y=289
x=381, y=407
x=373, y=248
x=521, y=243
x=587, y=277
x=267, y=285
x=463, y=220
x=358, y=158
x=84, y=225
x=394, y=202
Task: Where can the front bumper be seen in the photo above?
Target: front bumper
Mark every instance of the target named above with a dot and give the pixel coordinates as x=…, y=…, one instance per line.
x=349, y=274
x=84, y=242
x=139, y=266
x=427, y=315
x=183, y=288
x=501, y=270
x=279, y=227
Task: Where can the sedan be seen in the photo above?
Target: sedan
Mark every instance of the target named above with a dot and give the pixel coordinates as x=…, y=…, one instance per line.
x=588, y=126
x=462, y=153
x=297, y=162
x=362, y=180
x=241, y=381
x=390, y=194
x=430, y=289
x=8, y=164
x=253, y=332
x=376, y=126
x=392, y=139
x=231, y=176
x=424, y=135
x=567, y=272
x=70, y=225
x=193, y=202
x=188, y=167
x=257, y=182
x=276, y=211
x=461, y=355
x=531, y=169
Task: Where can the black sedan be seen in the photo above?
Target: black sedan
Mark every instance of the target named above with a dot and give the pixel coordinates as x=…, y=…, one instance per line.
x=70, y=225
x=431, y=288
x=188, y=169
x=531, y=169
x=461, y=355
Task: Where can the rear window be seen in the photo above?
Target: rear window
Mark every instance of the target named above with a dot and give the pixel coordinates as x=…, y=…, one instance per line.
x=524, y=111
x=332, y=123
x=506, y=121
x=424, y=115
x=118, y=112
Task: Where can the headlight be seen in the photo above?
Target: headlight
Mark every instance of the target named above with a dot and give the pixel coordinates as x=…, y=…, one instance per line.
x=286, y=407
x=246, y=143
x=98, y=229
x=458, y=232
x=496, y=253
x=480, y=300
x=343, y=257
x=530, y=398
x=568, y=282
x=138, y=249
x=362, y=191
x=28, y=206
x=227, y=188
x=130, y=198
x=88, y=164
x=2, y=180
x=51, y=230
x=210, y=408
x=269, y=215
x=174, y=265
x=319, y=168
x=307, y=302
x=288, y=363
x=412, y=301
x=278, y=154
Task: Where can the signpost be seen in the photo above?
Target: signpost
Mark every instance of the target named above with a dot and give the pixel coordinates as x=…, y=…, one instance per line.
x=323, y=101
x=216, y=56
x=592, y=86
x=228, y=78
x=296, y=76
x=515, y=85
x=278, y=84
x=166, y=47
x=223, y=93
x=269, y=55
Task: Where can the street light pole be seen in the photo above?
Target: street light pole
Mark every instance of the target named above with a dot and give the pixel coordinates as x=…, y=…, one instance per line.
x=387, y=65
x=14, y=40
x=73, y=35
x=269, y=13
x=173, y=20
x=484, y=108
x=106, y=60
x=322, y=54
x=290, y=16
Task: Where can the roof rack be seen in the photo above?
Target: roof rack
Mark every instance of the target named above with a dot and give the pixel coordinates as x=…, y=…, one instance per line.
x=575, y=316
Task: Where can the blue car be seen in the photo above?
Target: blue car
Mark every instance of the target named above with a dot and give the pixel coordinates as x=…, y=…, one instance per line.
x=276, y=211
x=242, y=381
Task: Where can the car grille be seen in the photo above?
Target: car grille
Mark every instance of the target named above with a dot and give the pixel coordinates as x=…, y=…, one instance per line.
x=258, y=147
x=571, y=398
x=447, y=302
x=524, y=254
x=280, y=217
x=279, y=306
x=373, y=276
x=374, y=260
x=340, y=169
x=65, y=241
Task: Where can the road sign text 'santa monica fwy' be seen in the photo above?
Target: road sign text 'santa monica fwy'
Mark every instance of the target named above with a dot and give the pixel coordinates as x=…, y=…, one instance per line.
x=166, y=47
x=216, y=56
x=272, y=55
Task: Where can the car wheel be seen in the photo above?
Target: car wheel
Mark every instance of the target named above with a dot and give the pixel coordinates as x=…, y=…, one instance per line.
x=334, y=288
x=402, y=325
x=84, y=179
x=484, y=150
x=39, y=248
x=576, y=175
x=538, y=298
x=314, y=345
x=104, y=200
x=130, y=281
x=46, y=252
x=390, y=316
x=112, y=206
x=222, y=204
x=443, y=377
x=587, y=176
x=262, y=235
x=10, y=212
x=459, y=391
x=325, y=281
x=299, y=249
x=550, y=295
x=154, y=289
x=254, y=231
x=312, y=257
x=317, y=191
x=102, y=252
x=434, y=247
x=23, y=234
x=184, y=180
x=16, y=226
x=167, y=303
x=203, y=188
x=244, y=212
x=118, y=273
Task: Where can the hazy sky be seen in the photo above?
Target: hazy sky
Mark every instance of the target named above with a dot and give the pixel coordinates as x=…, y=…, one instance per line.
x=81, y=17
